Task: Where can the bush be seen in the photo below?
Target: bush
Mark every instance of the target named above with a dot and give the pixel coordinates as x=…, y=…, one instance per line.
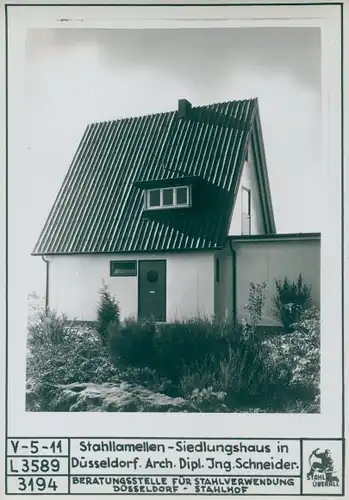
x=256, y=301
x=292, y=299
x=184, y=343
x=243, y=374
x=108, y=312
x=60, y=352
x=211, y=366
x=198, y=355
x=150, y=379
x=47, y=330
x=206, y=400
x=168, y=348
x=300, y=350
x=132, y=342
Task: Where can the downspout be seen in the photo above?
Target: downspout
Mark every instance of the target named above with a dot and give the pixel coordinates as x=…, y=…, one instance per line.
x=47, y=262
x=233, y=255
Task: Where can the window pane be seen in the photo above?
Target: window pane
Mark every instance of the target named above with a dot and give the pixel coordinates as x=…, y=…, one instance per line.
x=167, y=197
x=154, y=198
x=182, y=196
x=123, y=268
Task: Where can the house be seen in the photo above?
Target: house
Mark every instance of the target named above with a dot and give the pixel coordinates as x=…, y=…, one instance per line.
x=173, y=212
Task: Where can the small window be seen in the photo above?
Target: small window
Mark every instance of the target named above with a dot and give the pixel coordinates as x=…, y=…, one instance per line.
x=123, y=268
x=154, y=198
x=167, y=198
x=182, y=196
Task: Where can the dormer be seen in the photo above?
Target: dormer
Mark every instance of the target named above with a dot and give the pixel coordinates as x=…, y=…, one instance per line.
x=171, y=193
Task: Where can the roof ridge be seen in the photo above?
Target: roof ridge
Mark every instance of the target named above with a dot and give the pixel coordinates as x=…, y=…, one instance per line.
x=226, y=102
x=163, y=113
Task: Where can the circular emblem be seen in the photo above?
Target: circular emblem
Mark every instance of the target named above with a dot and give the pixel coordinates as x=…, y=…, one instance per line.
x=152, y=276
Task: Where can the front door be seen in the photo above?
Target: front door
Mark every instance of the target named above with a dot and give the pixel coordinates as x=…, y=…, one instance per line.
x=152, y=290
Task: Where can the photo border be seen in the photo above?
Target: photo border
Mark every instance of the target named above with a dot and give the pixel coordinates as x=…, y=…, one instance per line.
x=342, y=202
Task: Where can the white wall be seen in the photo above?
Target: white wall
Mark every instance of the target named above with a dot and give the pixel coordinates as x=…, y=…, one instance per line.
x=191, y=288
x=270, y=260
x=249, y=181
x=75, y=281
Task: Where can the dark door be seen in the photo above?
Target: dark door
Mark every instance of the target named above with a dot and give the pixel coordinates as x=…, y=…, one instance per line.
x=152, y=289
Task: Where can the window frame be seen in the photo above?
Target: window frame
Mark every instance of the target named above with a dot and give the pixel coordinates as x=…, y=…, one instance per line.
x=248, y=214
x=188, y=190
x=148, y=198
x=132, y=274
x=174, y=191
x=174, y=197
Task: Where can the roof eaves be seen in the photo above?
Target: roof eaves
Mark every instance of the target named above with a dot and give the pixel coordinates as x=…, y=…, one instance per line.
x=250, y=238
x=133, y=252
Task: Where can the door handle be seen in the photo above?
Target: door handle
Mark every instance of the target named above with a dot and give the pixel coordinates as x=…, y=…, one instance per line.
x=151, y=291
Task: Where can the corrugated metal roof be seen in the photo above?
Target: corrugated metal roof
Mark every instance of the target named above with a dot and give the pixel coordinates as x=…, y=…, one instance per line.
x=99, y=209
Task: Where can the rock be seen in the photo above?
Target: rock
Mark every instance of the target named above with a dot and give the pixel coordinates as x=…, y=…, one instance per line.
x=117, y=397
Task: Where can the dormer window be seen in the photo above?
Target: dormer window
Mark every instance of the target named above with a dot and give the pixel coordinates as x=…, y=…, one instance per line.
x=154, y=198
x=168, y=197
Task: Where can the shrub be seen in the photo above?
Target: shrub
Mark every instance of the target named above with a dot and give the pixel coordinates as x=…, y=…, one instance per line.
x=215, y=366
x=256, y=301
x=207, y=400
x=243, y=374
x=60, y=352
x=47, y=330
x=292, y=299
x=149, y=378
x=199, y=376
x=300, y=350
x=107, y=312
x=200, y=354
x=168, y=348
x=132, y=342
x=185, y=343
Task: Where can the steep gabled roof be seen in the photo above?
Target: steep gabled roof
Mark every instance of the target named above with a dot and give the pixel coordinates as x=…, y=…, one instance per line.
x=99, y=206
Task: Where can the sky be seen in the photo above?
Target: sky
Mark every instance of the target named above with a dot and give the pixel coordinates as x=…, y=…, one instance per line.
x=77, y=76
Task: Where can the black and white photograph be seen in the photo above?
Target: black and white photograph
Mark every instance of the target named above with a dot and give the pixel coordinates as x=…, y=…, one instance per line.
x=175, y=248
x=173, y=232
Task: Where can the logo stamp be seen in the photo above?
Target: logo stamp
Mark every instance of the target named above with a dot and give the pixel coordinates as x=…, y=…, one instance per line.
x=322, y=467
